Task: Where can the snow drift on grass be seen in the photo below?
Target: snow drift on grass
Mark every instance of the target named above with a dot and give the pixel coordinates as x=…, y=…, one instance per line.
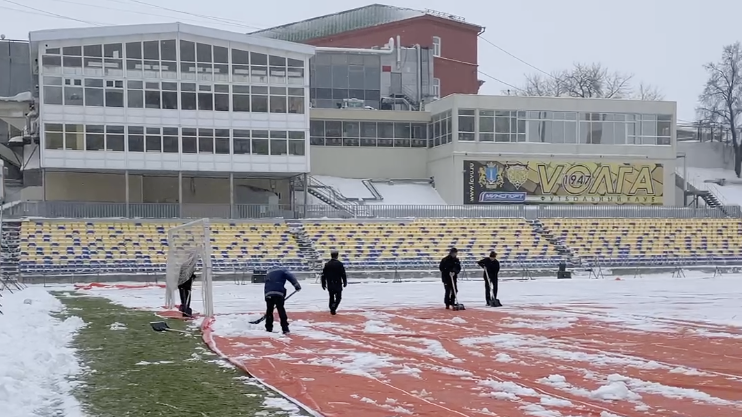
x=36, y=361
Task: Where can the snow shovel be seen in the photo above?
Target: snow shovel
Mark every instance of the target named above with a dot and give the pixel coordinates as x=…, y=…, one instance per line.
x=260, y=320
x=161, y=326
x=456, y=305
x=494, y=302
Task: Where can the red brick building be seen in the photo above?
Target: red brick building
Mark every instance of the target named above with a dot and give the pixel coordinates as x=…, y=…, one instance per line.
x=453, y=40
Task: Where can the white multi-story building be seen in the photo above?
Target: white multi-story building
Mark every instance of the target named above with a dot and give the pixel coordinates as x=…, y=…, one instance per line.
x=142, y=104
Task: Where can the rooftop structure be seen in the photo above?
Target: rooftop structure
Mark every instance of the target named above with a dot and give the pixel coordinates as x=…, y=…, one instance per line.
x=352, y=20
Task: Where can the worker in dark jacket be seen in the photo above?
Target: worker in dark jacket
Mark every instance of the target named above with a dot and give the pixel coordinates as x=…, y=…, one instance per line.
x=275, y=295
x=491, y=268
x=334, y=280
x=450, y=267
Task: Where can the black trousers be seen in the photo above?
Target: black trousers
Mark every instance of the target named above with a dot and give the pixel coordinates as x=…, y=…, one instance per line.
x=275, y=302
x=335, y=297
x=184, y=290
x=451, y=287
x=491, y=289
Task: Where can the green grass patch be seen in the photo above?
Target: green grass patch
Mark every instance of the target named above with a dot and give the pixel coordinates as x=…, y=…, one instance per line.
x=134, y=371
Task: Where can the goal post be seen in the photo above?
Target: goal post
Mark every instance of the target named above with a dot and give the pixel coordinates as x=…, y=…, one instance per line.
x=188, y=244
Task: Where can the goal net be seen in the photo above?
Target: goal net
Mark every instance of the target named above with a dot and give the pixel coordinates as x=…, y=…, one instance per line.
x=189, y=247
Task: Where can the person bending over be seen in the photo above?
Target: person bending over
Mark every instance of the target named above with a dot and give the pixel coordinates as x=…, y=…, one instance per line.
x=184, y=290
x=275, y=295
x=491, y=267
x=450, y=267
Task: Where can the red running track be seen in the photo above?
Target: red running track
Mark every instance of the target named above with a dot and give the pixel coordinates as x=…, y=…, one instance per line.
x=485, y=362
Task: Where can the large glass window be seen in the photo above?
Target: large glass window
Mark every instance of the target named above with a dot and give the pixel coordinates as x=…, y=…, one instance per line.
x=93, y=60
x=260, y=140
x=240, y=98
x=51, y=62
x=205, y=97
x=189, y=140
x=277, y=69
x=53, y=90
x=240, y=66
x=338, y=76
x=153, y=139
x=188, y=69
x=317, y=132
x=221, y=141
x=278, y=142
x=258, y=68
x=73, y=92
x=351, y=133
x=259, y=99
x=486, y=125
x=296, y=100
x=53, y=136
x=135, y=138
x=95, y=138
x=114, y=93
x=115, y=138
x=297, y=143
x=278, y=100
x=170, y=139
x=241, y=142
x=221, y=97
x=72, y=60
x=188, y=96
x=152, y=95
x=295, y=72
x=113, y=59
x=206, y=140
x=440, y=129
x=467, y=125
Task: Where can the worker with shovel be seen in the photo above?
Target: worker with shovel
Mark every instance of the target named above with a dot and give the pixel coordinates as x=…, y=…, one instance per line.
x=491, y=268
x=450, y=267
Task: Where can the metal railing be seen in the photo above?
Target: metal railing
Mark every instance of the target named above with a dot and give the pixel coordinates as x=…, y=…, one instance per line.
x=67, y=209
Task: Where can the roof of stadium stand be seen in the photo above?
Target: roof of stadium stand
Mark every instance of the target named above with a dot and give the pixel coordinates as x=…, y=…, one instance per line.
x=350, y=20
x=157, y=28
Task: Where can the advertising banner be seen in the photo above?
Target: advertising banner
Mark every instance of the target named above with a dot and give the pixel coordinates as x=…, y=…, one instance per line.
x=560, y=182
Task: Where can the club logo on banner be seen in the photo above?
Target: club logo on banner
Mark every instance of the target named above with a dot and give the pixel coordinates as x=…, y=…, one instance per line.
x=540, y=182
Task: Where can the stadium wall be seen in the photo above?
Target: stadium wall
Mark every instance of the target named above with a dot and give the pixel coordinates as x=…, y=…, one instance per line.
x=369, y=162
x=111, y=188
x=708, y=154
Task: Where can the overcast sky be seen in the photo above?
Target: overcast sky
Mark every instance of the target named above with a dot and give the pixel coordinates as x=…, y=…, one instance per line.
x=661, y=42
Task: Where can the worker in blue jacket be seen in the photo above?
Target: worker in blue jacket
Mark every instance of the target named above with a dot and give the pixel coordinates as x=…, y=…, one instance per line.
x=275, y=295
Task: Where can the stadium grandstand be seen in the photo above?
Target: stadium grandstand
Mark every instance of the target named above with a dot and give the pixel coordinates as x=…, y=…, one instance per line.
x=294, y=147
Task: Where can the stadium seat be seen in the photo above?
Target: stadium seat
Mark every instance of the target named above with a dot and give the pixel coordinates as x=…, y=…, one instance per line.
x=626, y=242
x=107, y=247
x=420, y=244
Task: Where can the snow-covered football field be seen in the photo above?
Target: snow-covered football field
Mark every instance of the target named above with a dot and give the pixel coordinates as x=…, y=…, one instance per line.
x=649, y=346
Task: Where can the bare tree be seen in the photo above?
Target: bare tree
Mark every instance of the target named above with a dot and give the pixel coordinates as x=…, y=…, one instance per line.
x=721, y=99
x=587, y=81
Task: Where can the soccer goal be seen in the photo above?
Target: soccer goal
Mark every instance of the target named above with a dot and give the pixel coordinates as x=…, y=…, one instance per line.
x=188, y=244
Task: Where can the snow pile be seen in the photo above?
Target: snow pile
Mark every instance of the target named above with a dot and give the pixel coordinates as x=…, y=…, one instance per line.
x=347, y=187
x=36, y=361
x=408, y=194
x=392, y=193
x=729, y=194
